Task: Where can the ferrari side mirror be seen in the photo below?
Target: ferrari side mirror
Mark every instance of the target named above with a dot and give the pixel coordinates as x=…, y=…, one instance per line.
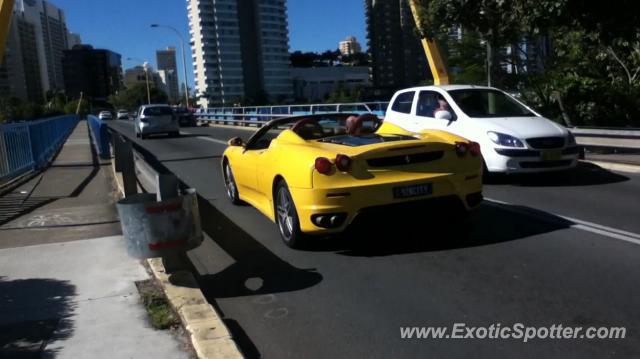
x=236, y=141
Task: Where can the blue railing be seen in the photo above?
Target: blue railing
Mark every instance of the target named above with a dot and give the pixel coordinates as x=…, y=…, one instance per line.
x=101, y=136
x=244, y=115
x=31, y=145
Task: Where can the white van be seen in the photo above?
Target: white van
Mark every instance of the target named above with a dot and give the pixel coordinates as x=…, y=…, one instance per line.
x=513, y=137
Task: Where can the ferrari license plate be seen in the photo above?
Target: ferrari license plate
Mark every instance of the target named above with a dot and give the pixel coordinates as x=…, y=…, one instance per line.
x=550, y=155
x=413, y=191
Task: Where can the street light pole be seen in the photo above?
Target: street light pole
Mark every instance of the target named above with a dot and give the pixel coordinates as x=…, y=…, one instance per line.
x=146, y=74
x=184, y=59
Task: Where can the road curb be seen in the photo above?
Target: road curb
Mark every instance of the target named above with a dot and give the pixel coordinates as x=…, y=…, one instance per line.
x=613, y=166
x=209, y=335
x=117, y=178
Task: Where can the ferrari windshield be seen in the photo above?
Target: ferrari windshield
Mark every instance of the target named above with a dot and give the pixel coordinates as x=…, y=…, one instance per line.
x=319, y=127
x=324, y=126
x=488, y=103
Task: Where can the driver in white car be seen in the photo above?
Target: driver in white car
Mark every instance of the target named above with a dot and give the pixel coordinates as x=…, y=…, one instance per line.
x=443, y=105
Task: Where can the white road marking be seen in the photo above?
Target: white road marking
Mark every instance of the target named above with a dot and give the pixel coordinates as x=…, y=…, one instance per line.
x=214, y=140
x=244, y=128
x=208, y=138
x=590, y=226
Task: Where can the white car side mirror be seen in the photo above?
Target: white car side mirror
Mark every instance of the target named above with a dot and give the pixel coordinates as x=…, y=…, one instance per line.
x=443, y=115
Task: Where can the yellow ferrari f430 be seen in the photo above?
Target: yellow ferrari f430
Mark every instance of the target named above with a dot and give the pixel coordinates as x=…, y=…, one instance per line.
x=314, y=175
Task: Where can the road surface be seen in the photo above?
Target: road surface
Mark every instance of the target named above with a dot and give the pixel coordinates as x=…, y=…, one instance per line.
x=542, y=250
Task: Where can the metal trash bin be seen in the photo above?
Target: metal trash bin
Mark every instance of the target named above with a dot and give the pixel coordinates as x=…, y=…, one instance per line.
x=158, y=229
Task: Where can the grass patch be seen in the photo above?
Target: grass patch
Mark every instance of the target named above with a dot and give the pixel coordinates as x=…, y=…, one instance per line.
x=160, y=312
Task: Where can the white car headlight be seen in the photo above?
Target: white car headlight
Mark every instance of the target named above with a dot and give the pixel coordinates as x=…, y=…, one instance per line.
x=504, y=139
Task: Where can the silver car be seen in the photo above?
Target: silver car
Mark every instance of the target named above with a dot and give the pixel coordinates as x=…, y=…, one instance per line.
x=122, y=115
x=155, y=119
x=105, y=115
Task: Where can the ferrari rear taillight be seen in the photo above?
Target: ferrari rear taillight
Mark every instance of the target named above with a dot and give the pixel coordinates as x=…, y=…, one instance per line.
x=323, y=165
x=474, y=149
x=462, y=148
x=343, y=163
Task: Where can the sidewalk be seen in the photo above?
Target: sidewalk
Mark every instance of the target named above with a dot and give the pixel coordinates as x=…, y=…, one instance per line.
x=71, y=200
x=66, y=283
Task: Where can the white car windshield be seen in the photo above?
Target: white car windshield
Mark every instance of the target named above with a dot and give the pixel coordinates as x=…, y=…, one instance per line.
x=488, y=103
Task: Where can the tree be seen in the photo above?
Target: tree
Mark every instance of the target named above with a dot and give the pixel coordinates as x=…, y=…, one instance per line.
x=344, y=94
x=300, y=59
x=14, y=109
x=136, y=96
x=358, y=59
x=326, y=58
x=592, y=72
x=467, y=59
x=330, y=57
x=72, y=107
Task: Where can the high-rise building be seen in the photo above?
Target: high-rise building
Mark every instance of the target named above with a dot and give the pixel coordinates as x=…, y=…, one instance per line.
x=38, y=36
x=51, y=38
x=20, y=74
x=397, y=57
x=136, y=76
x=169, y=80
x=94, y=72
x=168, y=71
x=240, y=51
x=350, y=46
x=73, y=40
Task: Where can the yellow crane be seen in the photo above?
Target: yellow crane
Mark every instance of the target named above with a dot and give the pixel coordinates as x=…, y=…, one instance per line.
x=6, y=8
x=431, y=49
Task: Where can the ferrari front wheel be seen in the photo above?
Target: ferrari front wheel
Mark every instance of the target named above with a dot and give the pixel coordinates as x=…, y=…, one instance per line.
x=287, y=217
x=230, y=184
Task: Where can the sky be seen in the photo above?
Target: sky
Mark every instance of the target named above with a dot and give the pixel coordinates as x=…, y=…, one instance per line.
x=123, y=25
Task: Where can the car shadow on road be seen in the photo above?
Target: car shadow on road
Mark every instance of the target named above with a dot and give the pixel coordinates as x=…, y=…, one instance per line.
x=433, y=230
x=33, y=313
x=585, y=174
x=252, y=260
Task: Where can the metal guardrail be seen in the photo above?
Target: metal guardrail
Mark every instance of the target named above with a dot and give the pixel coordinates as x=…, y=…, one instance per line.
x=31, y=145
x=256, y=115
x=101, y=136
x=606, y=132
x=607, y=139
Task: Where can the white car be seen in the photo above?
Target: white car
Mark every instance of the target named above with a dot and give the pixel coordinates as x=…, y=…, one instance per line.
x=122, y=115
x=105, y=115
x=513, y=137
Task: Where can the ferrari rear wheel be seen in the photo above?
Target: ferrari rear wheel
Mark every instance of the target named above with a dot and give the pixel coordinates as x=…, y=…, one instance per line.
x=230, y=184
x=287, y=217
